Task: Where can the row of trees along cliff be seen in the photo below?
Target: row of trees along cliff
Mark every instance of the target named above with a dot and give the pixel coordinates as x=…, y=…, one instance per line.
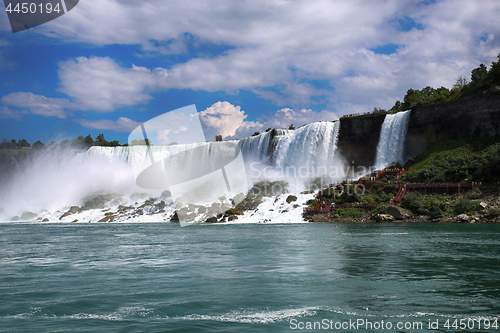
x=79, y=143
x=481, y=79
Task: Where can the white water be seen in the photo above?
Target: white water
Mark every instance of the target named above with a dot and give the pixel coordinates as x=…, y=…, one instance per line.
x=392, y=139
x=296, y=156
x=58, y=180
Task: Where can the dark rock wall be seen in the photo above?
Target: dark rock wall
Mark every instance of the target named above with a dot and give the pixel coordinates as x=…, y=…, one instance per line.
x=467, y=117
x=475, y=116
x=358, y=139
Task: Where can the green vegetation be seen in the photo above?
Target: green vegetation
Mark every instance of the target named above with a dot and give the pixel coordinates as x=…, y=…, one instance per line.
x=465, y=206
x=438, y=205
x=80, y=143
x=14, y=145
x=456, y=161
x=350, y=212
x=494, y=212
x=481, y=79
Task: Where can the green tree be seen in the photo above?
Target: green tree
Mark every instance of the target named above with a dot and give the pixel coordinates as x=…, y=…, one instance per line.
x=398, y=106
x=114, y=143
x=100, y=140
x=494, y=73
x=38, y=145
x=478, y=76
x=5, y=144
x=23, y=144
x=411, y=99
x=88, y=141
x=460, y=83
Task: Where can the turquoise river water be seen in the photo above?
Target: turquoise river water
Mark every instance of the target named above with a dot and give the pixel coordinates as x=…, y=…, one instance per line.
x=249, y=278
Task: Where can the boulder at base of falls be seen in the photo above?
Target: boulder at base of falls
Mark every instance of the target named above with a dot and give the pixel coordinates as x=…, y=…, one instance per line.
x=108, y=218
x=462, y=218
x=212, y=219
x=74, y=209
x=64, y=215
x=28, y=216
x=269, y=189
x=384, y=218
x=482, y=206
x=291, y=198
x=319, y=218
x=397, y=212
x=99, y=201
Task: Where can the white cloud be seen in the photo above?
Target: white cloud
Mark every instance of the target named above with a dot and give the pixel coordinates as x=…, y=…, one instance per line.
x=277, y=46
x=225, y=119
x=123, y=124
x=6, y=113
x=230, y=121
x=100, y=84
x=286, y=117
x=40, y=105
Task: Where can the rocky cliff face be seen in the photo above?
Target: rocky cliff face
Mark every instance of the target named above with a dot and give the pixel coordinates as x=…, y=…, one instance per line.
x=476, y=116
x=358, y=139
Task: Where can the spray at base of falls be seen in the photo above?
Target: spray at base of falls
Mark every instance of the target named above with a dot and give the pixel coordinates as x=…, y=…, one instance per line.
x=392, y=139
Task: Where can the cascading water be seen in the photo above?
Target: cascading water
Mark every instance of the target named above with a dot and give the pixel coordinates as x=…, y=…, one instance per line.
x=307, y=152
x=51, y=185
x=392, y=139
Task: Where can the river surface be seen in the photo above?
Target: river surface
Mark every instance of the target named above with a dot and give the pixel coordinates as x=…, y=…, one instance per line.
x=249, y=277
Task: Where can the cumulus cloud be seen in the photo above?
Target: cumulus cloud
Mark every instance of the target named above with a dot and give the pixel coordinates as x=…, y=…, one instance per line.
x=6, y=113
x=230, y=121
x=123, y=124
x=225, y=119
x=40, y=105
x=100, y=84
x=276, y=47
x=286, y=117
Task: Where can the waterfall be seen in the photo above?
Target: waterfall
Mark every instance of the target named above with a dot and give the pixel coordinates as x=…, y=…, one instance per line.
x=392, y=139
x=307, y=152
x=56, y=180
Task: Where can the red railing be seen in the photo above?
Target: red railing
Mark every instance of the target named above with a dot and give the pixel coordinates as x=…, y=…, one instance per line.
x=399, y=196
x=426, y=188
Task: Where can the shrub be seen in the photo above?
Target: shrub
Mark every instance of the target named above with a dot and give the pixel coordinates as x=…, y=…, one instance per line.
x=465, y=206
x=350, y=212
x=436, y=206
x=389, y=189
x=474, y=194
x=494, y=212
x=412, y=201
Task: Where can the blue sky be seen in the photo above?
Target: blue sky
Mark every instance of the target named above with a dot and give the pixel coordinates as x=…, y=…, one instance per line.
x=109, y=65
